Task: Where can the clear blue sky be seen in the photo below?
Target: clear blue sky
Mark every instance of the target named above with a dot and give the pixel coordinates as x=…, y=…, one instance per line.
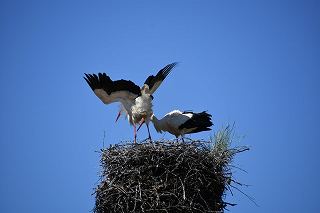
x=255, y=63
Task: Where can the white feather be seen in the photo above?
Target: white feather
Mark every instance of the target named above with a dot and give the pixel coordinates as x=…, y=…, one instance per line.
x=171, y=122
x=142, y=107
x=117, y=96
x=175, y=122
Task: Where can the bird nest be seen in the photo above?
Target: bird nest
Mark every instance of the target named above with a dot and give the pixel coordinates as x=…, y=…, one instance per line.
x=166, y=176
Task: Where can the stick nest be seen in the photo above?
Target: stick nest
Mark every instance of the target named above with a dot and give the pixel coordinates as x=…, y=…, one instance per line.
x=166, y=176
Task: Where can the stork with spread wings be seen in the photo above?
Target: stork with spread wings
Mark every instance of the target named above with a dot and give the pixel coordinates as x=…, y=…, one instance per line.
x=135, y=101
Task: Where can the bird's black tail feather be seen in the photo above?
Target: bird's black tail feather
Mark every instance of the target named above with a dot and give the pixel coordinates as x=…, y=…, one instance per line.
x=200, y=121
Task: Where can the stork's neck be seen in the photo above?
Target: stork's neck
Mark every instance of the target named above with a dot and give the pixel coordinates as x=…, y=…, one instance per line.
x=158, y=124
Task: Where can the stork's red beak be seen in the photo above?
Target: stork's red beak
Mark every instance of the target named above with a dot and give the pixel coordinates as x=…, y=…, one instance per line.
x=141, y=123
x=118, y=116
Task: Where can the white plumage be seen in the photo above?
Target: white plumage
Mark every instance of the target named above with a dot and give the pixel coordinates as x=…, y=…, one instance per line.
x=180, y=123
x=136, y=102
x=142, y=109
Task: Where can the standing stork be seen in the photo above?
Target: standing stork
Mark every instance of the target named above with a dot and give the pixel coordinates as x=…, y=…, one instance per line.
x=136, y=101
x=180, y=123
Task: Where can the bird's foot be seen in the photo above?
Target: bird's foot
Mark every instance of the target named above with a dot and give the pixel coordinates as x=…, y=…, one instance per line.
x=147, y=139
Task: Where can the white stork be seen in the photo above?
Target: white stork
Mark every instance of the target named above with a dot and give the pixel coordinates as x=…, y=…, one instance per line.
x=180, y=123
x=136, y=101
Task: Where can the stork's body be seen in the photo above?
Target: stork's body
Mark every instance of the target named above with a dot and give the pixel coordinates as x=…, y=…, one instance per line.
x=136, y=102
x=180, y=123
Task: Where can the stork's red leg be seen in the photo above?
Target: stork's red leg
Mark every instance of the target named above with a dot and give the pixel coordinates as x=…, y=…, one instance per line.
x=135, y=133
x=149, y=132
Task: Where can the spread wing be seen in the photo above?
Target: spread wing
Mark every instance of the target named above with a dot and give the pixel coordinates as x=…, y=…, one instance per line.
x=112, y=91
x=154, y=81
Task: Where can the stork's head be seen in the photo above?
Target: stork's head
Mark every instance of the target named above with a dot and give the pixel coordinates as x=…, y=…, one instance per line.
x=145, y=89
x=144, y=115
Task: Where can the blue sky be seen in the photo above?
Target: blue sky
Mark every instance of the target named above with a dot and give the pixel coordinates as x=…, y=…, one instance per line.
x=255, y=63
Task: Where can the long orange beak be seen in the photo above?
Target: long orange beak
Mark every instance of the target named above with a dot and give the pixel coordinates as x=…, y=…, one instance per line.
x=118, y=116
x=141, y=123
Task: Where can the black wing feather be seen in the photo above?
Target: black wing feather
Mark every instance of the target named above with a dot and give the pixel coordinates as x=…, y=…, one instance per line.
x=201, y=121
x=103, y=81
x=152, y=80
